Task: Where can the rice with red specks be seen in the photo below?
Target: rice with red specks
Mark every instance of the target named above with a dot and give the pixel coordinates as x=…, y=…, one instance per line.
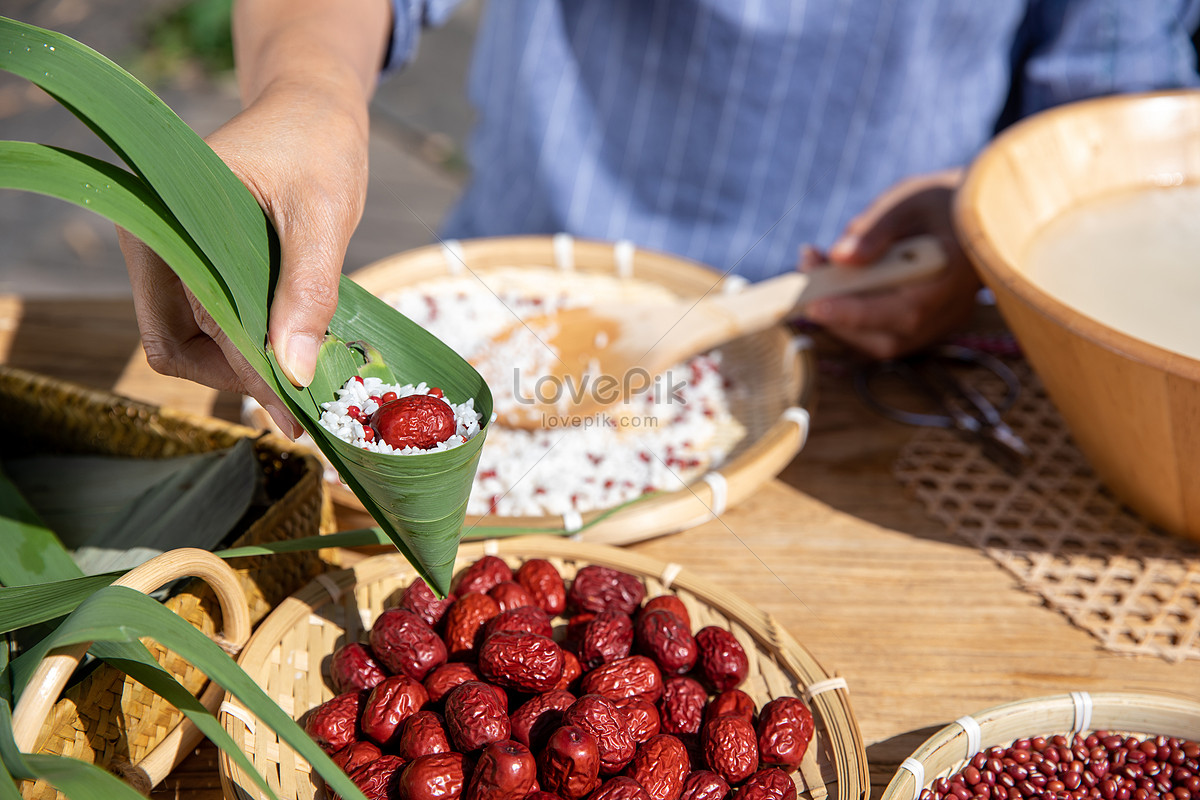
x=365, y=393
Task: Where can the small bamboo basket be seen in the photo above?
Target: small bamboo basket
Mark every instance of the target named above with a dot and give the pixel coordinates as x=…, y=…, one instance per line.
x=774, y=414
x=288, y=657
x=108, y=718
x=949, y=750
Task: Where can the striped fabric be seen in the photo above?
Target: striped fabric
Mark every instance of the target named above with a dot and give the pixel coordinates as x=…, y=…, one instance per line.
x=733, y=131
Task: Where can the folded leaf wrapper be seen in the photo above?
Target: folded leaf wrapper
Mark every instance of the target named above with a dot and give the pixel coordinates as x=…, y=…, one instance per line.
x=194, y=212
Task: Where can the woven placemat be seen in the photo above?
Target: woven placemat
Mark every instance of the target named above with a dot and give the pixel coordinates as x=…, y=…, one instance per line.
x=1061, y=533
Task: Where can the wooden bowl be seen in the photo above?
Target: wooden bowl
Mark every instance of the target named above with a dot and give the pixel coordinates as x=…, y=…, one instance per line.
x=1133, y=408
x=773, y=415
x=949, y=750
x=288, y=657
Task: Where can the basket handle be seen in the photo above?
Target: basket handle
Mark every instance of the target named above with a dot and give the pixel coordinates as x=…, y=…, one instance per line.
x=52, y=673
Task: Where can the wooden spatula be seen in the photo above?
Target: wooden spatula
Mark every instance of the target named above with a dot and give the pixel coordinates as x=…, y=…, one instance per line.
x=606, y=352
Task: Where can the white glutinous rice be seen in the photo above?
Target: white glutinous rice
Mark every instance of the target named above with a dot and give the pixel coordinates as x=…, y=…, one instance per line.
x=365, y=395
x=665, y=436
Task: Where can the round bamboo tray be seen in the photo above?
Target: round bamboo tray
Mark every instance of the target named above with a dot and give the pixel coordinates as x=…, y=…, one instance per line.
x=1131, y=406
x=40, y=696
x=773, y=415
x=287, y=657
x=948, y=750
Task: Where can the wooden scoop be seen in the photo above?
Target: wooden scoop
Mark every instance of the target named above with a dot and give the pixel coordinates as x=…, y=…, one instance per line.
x=607, y=352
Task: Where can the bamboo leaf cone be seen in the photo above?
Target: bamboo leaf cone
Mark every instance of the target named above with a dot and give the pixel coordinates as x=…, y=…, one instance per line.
x=221, y=246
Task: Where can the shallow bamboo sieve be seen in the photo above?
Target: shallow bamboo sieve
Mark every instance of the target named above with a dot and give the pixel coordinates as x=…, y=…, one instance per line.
x=773, y=363
x=287, y=656
x=948, y=750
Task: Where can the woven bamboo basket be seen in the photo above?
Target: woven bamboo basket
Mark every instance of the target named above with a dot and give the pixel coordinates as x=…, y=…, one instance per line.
x=774, y=414
x=949, y=750
x=108, y=718
x=288, y=654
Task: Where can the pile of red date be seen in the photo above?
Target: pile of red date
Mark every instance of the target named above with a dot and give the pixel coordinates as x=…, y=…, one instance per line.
x=471, y=697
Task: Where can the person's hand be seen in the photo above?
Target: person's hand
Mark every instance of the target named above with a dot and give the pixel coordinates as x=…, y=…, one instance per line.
x=891, y=323
x=304, y=158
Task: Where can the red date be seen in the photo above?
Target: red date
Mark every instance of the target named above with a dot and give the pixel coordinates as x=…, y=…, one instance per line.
x=544, y=584
x=722, y=659
x=509, y=595
x=474, y=717
x=422, y=734
x=537, y=718
x=730, y=748
x=572, y=669
x=418, y=420
x=702, y=784
x=465, y=623
x=332, y=724
x=785, y=729
x=666, y=639
x=682, y=705
x=505, y=771
x=768, y=784
x=641, y=716
x=620, y=788
x=355, y=754
x=420, y=599
x=353, y=667
x=434, y=777
x=439, y=682
x=603, y=720
x=569, y=766
x=599, y=588
x=608, y=637
x=529, y=619
x=731, y=701
x=376, y=778
x=669, y=602
x=629, y=677
x=390, y=703
x=660, y=766
x=406, y=645
x=522, y=661
x=482, y=576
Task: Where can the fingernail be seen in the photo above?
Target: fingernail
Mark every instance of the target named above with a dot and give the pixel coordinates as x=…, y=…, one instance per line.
x=299, y=359
x=844, y=247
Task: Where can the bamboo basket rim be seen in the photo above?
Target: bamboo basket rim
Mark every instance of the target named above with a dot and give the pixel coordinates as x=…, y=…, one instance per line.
x=668, y=511
x=972, y=228
x=832, y=707
x=947, y=750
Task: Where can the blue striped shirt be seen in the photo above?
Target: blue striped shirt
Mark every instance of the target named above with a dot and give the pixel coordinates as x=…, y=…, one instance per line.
x=734, y=132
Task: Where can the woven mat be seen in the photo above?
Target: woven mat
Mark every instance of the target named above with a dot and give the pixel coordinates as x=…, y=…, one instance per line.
x=1062, y=534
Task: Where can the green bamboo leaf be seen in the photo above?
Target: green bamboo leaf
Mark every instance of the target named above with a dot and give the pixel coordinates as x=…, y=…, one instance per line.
x=222, y=242
x=119, y=614
x=21, y=606
x=34, y=553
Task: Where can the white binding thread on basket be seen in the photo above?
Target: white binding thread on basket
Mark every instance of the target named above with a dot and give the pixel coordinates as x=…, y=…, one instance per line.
x=917, y=769
x=572, y=521
x=974, y=734
x=623, y=257
x=453, y=253
x=576, y=537
x=564, y=252
x=669, y=574
x=733, y=284
x=364, y=614
x=827, y=685
x=491, y=547
x=801, y=418
x=335, y=591
x=239, y=713
x=720, y=492
x=1083, y=711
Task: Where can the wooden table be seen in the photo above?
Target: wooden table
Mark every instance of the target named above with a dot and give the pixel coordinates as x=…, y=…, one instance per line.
x=924, y=628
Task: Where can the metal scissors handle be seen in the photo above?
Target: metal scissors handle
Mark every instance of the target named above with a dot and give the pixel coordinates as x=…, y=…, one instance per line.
x=964, y=409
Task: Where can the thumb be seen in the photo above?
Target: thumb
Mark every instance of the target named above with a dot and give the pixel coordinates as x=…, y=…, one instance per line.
x=305, y=296
x=868, y=236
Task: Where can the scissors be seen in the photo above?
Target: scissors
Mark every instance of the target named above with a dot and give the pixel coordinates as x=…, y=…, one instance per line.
x=962, y=408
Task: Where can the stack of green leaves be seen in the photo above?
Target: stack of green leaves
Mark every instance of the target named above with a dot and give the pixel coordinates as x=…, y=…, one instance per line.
x=182, y=201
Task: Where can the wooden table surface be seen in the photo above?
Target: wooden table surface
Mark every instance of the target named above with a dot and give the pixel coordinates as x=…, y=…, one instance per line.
x=923, y=627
